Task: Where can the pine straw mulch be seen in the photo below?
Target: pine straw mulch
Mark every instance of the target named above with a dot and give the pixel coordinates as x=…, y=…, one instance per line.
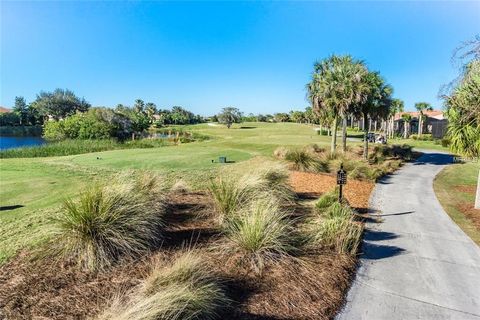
x=46, y=289
x=468, y=208
x=313, y=185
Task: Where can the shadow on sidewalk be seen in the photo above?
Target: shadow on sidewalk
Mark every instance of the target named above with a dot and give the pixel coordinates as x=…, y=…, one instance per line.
x=434, y=158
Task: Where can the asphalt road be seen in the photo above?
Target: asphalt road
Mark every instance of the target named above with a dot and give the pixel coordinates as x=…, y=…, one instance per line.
x=416, y=262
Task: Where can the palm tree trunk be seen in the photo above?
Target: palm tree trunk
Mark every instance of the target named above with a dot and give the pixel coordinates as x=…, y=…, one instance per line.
x=334, y=135
x=344, y=135
x=365, y=140
x=420, y=124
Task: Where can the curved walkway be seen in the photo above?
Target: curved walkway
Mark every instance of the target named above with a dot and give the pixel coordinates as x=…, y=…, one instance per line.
x=416, y=262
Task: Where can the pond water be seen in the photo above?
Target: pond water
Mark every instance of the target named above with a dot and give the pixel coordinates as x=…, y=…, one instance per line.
x=17, y=142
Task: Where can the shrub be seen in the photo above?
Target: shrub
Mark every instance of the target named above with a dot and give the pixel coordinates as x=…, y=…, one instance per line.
x=180, y=186
x=188, y=267
x=260, y=232
x=326, y=200
x=280, y=153
x=339, y=233
x=338, y=210
x=274, y=181
x=314, y=149
x=229, y=195
x=445, y=142
x=122, y=218
x=301, y=160
x=185, y=290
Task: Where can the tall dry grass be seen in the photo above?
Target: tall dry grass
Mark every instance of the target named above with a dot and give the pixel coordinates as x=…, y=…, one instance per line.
x=185, y=289
x=108, y=221
x=259, y=233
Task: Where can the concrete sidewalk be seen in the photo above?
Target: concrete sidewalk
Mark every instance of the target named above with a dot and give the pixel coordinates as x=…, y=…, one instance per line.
x=416, y=262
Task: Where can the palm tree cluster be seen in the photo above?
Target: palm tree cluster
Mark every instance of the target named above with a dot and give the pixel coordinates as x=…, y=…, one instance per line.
x=463, y=104
x=343, y=87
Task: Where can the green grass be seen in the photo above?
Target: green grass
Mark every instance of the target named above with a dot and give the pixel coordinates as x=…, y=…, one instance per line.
x=41, y=184
x=452, y=198
x=419, y=144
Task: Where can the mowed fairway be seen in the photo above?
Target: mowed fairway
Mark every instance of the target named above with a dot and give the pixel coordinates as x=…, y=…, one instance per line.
x=32, y=190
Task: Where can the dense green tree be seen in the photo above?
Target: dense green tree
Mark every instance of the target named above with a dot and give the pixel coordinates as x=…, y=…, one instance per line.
x=297, y=116
x=463, y=112
x=229, y=115
x=59, y=104
x=21, y=109
x=281, y=117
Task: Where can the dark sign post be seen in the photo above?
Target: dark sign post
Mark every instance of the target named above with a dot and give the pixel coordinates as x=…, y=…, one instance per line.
x=341, y=180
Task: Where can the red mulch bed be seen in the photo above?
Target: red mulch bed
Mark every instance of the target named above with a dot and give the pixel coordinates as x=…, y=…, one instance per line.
x=314, y=184
x=53, y=290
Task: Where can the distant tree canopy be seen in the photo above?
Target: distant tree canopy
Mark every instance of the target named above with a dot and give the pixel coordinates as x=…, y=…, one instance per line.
x=229, y=115
x=96, y=123
x=178, y=115
x=59, y=104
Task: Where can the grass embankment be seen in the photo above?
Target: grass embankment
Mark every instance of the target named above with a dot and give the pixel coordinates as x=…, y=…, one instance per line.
x=455, y=187
x=72, y=147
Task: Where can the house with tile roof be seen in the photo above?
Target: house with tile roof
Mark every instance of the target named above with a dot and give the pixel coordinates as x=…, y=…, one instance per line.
x=435, y=123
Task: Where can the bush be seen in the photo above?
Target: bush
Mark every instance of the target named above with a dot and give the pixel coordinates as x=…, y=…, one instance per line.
x=326, y=200
x=79, y=126
x=338, y=210
x=230, y=194
x=445, y=142
x=339, y=233
x=184, y=290
x=302, y=160
x=314, y=149
x=274, y=182
x=121, y=218
x=259, y=233
x=280, y=153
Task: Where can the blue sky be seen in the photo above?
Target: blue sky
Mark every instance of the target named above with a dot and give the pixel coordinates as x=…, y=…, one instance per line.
x=256, y=56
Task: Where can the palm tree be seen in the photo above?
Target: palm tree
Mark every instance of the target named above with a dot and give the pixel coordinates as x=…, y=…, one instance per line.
x=375, y=102
x=421, y=107
x=406, y=117
x=334, y=90
x=397, y=107
x=150, y=109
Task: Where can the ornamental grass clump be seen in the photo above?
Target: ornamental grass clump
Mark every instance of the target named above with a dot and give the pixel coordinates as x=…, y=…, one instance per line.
x=274, y=181
x=301, y=160
x=123, y=218
x=231, y=193
x=259, y=233
x=343, y=235
x=326, y=200
x=186, y=289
